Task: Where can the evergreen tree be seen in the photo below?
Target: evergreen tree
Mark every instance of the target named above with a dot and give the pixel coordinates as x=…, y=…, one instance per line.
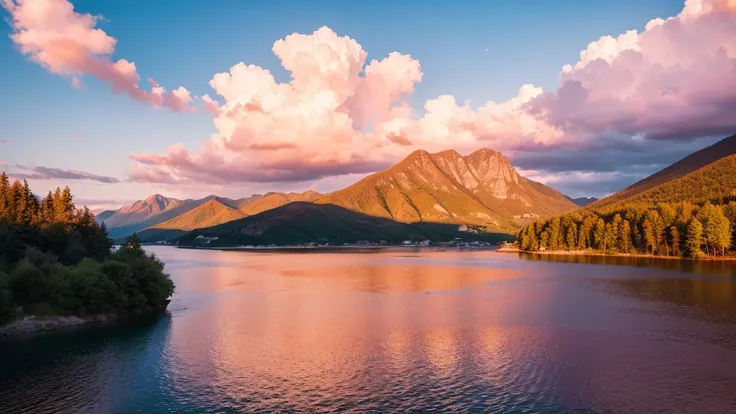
x=570, y=236
x=4, y=203
x=694, y=238
x=554, y=233
x=599, y=235
x=47, y=208
x=624, y=237
x=675, y=240
x=716, y=229
x=729, y=211
x=544, y=240
x=652, y=227
x=134, y=242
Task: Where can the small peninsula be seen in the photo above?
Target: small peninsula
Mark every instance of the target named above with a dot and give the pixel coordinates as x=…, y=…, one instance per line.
x=58, y=268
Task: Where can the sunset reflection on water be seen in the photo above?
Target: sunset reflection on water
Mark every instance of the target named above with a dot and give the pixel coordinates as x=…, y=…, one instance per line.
x=402, y=330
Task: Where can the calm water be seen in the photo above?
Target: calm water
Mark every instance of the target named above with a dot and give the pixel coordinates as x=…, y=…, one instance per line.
x=399, y=331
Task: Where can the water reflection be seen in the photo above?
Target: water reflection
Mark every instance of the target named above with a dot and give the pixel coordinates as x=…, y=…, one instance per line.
x=93, y=369
x=702, y=267
x=400, y=331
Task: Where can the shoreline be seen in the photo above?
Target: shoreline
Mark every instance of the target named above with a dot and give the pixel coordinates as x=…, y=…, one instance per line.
x=32, y=324
x=633, y=255
x=335, y=249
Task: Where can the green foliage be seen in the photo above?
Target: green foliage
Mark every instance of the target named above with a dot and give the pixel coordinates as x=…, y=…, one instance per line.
x=694, y=239
x=57, y=259
x=134, y=242
x=669, y=229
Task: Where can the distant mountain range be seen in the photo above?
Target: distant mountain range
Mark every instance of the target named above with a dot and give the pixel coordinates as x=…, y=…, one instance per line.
x=582, y=201
x=159, y=212
x=481, y=190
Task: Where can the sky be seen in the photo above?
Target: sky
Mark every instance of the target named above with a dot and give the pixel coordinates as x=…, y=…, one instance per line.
x=121, y=100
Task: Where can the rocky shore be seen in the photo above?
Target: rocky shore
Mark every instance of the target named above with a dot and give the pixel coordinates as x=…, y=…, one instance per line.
x=33, y=324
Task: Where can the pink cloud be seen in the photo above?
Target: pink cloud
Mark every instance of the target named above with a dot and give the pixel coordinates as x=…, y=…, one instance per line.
x=67, y=43
x=675, y=79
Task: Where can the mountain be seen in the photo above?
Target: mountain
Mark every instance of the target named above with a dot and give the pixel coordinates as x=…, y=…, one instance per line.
x=273, y=200
x=211, y=213
x=146, y=213
x=692, y=162
x=582, y=201
x=715, y=181
x=165, y=213
x=481, y=188
x=303, y=222
x=104, y=215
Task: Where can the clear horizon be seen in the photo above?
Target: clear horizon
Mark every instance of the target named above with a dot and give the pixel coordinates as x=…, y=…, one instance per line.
x=121, y=101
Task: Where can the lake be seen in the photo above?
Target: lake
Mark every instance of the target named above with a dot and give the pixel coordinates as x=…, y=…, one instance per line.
x=399, y=330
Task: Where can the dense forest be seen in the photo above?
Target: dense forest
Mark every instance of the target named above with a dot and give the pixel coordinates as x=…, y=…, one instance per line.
x=56, y=259
x=666, y=229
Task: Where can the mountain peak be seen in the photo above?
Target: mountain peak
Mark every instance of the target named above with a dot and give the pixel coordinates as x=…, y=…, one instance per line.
x=155, y=198
x=447, y=153
x=482, y=189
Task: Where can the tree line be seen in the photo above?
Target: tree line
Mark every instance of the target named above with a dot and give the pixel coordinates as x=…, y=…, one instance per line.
x=56, y=259
x=666, y=229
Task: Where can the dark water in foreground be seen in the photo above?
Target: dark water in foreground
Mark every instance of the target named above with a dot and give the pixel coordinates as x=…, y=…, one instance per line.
x=399, y=331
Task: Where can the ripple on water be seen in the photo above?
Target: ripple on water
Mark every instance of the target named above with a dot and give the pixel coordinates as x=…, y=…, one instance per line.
x=436, y=331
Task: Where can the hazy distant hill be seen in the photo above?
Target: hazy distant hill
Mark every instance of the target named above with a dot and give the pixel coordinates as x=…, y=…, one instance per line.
x=301, y=222
x=104, y=215
x=481, y=188
x=582, y=201
x=146, y=213
x=692, y=162
x=211, y=213
x=164, y=213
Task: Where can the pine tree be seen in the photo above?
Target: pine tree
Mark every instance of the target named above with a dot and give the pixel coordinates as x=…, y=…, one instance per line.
x=624, y=237
x=4, y=204
x=544, y=240
x=17, y=203
x=610, y=236
x=47, y=208
x=599, y=234
x=729, y=211
x=134, y=242
x=554, y=234
x=694, y=238
x=675, y=240
x=653, y=227
x=570, y=241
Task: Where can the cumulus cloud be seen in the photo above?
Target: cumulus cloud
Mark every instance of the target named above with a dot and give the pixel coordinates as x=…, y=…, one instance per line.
x=46, y=173
x=65, y=42
x=674, y=80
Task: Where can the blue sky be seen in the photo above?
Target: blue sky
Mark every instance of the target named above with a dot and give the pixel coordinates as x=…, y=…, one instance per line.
x=474, y=50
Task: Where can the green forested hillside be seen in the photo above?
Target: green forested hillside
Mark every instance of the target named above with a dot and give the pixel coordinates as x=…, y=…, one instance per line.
x=55, y=259
x=714, y=182
x=687, y=165
x=693, y=215
x=301, y=222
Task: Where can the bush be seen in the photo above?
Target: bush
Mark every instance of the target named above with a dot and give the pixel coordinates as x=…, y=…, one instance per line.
x=6, y=299
x=28, y=283
x=55, y=259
